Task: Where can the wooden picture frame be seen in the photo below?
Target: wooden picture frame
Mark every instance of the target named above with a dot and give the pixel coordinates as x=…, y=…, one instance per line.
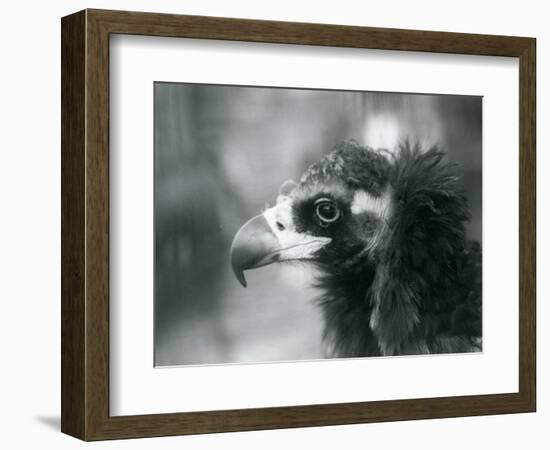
x=85, y=224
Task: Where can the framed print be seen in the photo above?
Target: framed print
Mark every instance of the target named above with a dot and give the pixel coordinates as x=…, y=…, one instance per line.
x=271, y=224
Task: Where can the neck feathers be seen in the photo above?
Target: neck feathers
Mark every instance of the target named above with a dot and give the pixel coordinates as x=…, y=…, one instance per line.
x=391, y=301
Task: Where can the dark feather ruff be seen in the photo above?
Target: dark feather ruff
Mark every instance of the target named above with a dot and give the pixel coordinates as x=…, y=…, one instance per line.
x=418, y=288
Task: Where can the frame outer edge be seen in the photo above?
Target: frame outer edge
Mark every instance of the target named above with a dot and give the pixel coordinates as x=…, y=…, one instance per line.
x=73, y=320
x=528, y=224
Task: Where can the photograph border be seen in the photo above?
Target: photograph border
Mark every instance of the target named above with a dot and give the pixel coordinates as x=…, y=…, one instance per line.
x=85, y=223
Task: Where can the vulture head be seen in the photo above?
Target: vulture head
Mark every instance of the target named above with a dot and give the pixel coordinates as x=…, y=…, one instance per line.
x=386, y=232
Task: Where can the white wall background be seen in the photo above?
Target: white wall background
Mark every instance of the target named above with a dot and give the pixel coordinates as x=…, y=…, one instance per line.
x=30, y=222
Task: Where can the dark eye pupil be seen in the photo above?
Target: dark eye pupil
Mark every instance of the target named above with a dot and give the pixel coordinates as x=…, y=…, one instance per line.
x=327, y=211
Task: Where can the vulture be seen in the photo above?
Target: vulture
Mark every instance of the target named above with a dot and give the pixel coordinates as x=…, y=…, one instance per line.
x=386, y=231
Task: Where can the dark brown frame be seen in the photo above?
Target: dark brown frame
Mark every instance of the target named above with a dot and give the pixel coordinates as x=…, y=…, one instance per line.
x=85, y=224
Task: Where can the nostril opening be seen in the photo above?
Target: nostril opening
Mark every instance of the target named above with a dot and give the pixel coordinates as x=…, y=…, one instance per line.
x=280, y=226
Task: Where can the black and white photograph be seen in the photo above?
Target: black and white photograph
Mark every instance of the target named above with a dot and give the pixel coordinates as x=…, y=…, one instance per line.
x=302, y=224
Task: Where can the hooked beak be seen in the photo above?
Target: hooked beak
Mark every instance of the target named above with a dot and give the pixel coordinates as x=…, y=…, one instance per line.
x=253, y=246
x=271, y=237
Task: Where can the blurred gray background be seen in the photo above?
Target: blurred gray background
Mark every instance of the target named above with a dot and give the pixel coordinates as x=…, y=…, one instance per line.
x=221, y=153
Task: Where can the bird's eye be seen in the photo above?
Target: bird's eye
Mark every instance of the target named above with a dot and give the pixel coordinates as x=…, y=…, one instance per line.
x=327, y=211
